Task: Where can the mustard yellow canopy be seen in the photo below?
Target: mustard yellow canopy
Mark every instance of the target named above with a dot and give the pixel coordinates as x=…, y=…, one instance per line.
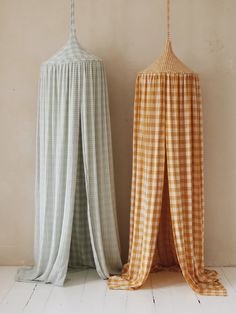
x=167, y=206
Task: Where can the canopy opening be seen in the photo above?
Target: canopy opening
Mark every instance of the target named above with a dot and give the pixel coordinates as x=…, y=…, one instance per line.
x=81, y=253
x=165, y=254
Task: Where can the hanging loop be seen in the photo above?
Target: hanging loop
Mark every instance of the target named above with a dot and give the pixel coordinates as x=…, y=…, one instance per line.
x=72, y=19
x=168, y=21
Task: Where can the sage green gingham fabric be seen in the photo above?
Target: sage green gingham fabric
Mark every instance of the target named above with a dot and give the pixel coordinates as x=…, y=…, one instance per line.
x=81, y=254
x=76, y=223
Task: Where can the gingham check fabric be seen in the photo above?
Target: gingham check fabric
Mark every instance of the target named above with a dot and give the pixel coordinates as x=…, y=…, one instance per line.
x=167, y=133
x=76, y=221
x=81, y=254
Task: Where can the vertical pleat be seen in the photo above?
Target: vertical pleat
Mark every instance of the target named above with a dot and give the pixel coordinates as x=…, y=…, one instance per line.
x=97, y=150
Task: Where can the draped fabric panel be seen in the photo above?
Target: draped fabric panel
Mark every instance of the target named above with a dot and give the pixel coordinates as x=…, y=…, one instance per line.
x=167, y=135
x=99, y=177
x=75, y=204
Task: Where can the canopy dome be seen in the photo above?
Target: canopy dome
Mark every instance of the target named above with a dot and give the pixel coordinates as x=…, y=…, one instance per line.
x=72, y=52
x=168, y=63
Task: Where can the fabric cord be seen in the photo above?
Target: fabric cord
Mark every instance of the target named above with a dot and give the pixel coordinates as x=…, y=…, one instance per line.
x=168, y=21
x=72, y=20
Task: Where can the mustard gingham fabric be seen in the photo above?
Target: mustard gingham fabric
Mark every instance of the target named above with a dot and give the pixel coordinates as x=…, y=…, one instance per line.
x=167, y=136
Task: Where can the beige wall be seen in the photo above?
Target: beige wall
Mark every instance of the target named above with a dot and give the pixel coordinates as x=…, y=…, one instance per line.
x=128, y=35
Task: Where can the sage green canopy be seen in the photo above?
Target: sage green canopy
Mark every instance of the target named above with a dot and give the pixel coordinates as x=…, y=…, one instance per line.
x=76, y=223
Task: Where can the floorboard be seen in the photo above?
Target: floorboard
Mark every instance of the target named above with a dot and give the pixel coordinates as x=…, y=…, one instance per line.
x=115, y=302
x=173, y=295
x=67, y=299
x=220, y=304
x=141, y=301
x=7, y=275
x=93, y=299
x=17, y=298
x=38, y=300
x=85, y=293
x=230, y=275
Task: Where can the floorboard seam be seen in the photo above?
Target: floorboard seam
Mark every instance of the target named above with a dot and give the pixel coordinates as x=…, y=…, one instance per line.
x=153, y=296
x=30, y=297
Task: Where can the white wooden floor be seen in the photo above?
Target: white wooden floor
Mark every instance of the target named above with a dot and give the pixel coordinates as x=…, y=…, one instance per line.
x=85, y=293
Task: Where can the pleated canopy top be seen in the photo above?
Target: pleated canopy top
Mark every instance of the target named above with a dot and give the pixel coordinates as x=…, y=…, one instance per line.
x=168, y=63
x=72, y=52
